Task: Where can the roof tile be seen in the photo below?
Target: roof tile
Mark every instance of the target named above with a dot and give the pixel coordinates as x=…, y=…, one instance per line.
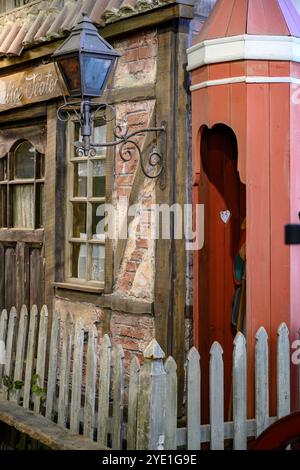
x=43, y=20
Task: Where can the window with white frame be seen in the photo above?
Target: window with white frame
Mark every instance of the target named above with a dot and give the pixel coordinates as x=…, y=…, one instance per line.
x=85, y=260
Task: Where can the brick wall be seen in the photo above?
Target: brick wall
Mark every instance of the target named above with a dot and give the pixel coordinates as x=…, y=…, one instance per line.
x=137, y=66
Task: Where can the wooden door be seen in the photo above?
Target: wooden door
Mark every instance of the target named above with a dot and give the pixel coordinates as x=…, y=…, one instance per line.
x=22, y=173
x=220, y=190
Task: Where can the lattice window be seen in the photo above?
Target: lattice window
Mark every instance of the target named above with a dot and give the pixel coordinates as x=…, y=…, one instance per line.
x=22, y=176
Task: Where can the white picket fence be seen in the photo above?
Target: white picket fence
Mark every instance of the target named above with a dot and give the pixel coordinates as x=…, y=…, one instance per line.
x=92, y=401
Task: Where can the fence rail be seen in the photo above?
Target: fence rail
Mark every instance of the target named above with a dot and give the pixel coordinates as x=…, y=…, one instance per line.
x=88, y=396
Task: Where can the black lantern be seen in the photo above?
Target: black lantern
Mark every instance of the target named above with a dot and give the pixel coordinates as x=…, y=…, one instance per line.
x=85, y=60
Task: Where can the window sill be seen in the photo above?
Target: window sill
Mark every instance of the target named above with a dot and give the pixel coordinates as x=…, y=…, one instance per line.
x=79, y=287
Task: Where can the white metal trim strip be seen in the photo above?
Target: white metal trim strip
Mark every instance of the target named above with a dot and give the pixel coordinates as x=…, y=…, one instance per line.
x=245, y=79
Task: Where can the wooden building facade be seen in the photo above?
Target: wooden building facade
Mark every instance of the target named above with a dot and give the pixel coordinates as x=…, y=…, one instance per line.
x=52, y=249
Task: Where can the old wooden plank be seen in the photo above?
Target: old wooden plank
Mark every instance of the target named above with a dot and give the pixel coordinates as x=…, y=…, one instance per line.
x=3, y=332
x=43, y=430
x=104, y=387
x=53, y=363
x=193, y=400
x=133, y=403
x=283, y=372
x=41, y=355
x=118, y=398
x=20, y=351
x=171, y=404
x=28, y=236
x=64, y=376
x=22, y=277
x=30, y=356
x=239, y=393
x=90, y=386
x=216, y=393
x=261, y=381
x=77, y=377
x=37, y=277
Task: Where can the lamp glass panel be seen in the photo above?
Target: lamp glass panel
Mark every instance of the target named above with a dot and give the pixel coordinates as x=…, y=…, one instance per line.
x=95, y=72
x=70, y=67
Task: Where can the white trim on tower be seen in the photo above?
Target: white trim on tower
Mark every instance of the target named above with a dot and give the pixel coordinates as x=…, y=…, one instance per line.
x=244, y=47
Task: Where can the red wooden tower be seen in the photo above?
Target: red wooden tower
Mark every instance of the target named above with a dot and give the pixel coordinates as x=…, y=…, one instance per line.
x=246, y=137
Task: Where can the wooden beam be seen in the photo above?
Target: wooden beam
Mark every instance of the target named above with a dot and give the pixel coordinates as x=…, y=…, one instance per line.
x=16, y=235
x=50, y=185
x=154, y=17
x=163, y=289
x=182, y=150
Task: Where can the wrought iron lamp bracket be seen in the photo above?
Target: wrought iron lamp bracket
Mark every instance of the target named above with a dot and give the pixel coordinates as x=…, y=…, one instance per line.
x=125, y=141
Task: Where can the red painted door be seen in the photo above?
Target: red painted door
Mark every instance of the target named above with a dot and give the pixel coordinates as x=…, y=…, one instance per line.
x=220, y=190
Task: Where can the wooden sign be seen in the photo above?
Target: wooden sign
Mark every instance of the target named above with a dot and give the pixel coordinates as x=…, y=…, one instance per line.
x=31, y=86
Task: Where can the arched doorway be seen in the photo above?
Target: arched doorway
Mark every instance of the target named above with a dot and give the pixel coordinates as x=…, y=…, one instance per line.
x=224, y=199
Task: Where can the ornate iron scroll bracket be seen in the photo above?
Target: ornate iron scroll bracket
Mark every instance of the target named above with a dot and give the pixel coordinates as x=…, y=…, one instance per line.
x=126, y=142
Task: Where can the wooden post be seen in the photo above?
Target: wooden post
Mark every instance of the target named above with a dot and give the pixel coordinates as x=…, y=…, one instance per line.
x=152, y=400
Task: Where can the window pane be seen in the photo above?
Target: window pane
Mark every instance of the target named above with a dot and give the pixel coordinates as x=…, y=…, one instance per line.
x=98, y=221
x=40, y=210
x=79, y=221
x=79, y=261
x=3, y=206
x=23, y=206
x=24, y=161
x=98, y=255
x=99, y=136
x=99, y=178
x=80, y=180
x=3, y=169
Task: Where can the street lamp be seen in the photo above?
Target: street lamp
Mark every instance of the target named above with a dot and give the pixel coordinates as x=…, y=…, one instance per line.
x=86, y=61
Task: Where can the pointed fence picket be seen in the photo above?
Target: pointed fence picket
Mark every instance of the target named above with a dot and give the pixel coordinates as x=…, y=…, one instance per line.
x=261, y=381
x=216, y=393
x=77, y=378
x=65, y=373
x=41, y=357
x=90, y=386
x=133, y=403
x=91, y=399
x=118, y=399
x=104, y=389
x=239, y=384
